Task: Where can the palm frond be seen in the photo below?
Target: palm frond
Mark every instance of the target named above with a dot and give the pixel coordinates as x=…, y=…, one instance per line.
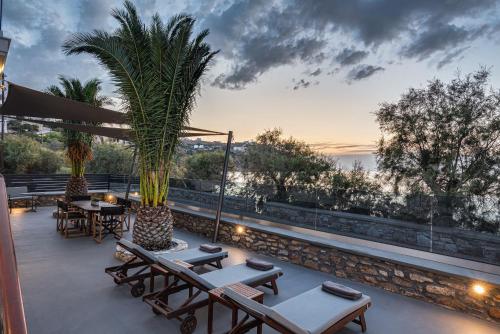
x=157, y=71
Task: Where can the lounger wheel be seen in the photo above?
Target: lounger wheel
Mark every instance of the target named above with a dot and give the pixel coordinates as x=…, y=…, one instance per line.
x=188, y=325
x=137, y=289
x=155, y=311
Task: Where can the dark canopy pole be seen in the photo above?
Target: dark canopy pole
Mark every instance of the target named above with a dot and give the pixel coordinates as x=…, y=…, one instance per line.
x=222, y=185
x=132, y=165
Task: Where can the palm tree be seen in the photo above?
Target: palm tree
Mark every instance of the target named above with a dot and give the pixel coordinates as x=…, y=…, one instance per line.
x=157, y=71
x=78, y=144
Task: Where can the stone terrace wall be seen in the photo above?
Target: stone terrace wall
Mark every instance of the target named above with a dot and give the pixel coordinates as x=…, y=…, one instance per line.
x=454, y=242
x=452, y=292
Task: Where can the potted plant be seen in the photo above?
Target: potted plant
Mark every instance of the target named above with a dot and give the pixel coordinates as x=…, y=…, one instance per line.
x=78, y=144
x=157, y=71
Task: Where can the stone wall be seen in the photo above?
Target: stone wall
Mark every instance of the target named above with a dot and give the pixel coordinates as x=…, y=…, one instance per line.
x=46, y=200
x=453, y=292
x=454, y=242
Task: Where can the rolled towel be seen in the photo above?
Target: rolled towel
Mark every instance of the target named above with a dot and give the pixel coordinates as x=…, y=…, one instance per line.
x=341, y=290
x=259, y=264
x=210, y=248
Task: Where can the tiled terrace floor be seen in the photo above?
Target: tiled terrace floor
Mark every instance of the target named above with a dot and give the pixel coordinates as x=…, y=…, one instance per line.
x=66, y=290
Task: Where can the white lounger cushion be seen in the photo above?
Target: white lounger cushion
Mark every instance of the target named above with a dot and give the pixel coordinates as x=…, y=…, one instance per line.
x=322, y=311
x=147, y=254
x=192, y=255
x=127, y=243
x=175, y=268
x=239, y=273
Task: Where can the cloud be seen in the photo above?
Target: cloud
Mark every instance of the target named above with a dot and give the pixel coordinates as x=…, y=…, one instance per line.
x=301, y=84
x=350, y=56
x=315, y=73
x=451, y=56
x=340, y=148
x=417, y=28
x=362, y=72
x=263, y=54
x=440, y=37
x=257, y=36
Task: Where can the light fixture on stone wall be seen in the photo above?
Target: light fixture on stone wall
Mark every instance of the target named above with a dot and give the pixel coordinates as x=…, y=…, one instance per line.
x=479, y=289
x=240, y=229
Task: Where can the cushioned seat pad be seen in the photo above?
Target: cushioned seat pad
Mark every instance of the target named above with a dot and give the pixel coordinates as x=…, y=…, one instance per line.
x=238, y=273
x=322, y=311
x=193, y=255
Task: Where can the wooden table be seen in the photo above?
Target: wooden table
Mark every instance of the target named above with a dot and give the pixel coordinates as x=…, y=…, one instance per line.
x=215, y=296
x=91, y=209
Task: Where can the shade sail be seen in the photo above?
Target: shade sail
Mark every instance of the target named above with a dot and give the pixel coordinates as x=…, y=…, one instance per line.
x=33, y=106
x=26, y=102
x=117, y=133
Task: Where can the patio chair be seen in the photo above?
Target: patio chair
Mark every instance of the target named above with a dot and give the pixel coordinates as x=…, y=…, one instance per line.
x=325, y=313
x=109, y=221
x=142, y=260
x=186, y=278
x=66, y=217
x=127, y=205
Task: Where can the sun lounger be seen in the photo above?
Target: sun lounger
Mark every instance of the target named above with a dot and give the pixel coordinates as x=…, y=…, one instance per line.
x=142, y=260
x=196, y=284
x=325, y=313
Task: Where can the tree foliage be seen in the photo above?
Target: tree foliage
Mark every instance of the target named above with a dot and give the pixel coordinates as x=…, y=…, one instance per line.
x=349, y=190
x=79, y=144
x=24, y=155
x=282, y=163
x=22, y=128
x=443, y=139
x=110, y=158
x=157, y=71
x=205, y=165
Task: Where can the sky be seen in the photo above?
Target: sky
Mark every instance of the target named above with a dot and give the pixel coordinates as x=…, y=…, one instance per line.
x=317, y=69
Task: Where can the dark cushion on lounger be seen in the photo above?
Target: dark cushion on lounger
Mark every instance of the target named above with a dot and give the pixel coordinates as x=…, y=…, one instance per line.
x=210, y=248
x=259, y=264
x=341, y=290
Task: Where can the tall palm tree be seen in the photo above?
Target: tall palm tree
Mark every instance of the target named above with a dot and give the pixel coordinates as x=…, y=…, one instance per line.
x=157, y=70
x=78, y=144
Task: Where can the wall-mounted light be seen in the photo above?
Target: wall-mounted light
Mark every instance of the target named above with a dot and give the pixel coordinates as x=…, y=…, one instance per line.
x=135, y=193
x=4, y=50
x=109, y=197
x=240, y=229
x=479, y=289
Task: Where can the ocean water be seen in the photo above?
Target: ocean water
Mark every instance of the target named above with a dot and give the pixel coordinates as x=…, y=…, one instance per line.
x=346, y=161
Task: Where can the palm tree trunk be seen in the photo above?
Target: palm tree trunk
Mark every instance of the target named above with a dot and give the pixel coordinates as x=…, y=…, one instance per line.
x=153, y=228
x=76, y=186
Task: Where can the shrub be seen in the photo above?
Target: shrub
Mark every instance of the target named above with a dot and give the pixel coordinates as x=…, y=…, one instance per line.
x=24, y=155
x=110, y=158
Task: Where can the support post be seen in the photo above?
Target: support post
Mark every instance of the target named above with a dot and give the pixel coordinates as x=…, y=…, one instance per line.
x=132, y=165
x=222, y=186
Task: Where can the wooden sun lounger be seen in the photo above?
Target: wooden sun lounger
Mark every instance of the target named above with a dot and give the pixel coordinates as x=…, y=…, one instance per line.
x=325, y=313
x=143, y=260
x=186, y=279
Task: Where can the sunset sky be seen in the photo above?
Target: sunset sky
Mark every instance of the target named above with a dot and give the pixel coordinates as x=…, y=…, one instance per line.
x=317, y=69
